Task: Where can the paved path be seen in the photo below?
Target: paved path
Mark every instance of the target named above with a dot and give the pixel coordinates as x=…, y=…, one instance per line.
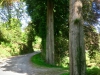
x=21, y=65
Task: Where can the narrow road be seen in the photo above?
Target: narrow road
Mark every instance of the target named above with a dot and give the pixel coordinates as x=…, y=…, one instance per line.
x=21, y=65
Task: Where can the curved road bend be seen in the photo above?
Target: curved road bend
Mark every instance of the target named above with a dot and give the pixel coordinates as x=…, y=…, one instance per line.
x=21, y=65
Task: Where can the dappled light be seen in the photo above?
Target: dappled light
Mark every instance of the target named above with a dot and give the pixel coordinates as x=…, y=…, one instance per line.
x=50, y=37
x=21, y=65
x=17, y=65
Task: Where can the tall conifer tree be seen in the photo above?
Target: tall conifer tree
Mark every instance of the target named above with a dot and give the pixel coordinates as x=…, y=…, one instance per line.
x=76, y=39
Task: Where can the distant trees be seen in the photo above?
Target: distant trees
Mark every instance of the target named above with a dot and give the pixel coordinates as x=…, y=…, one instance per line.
x=30, y=36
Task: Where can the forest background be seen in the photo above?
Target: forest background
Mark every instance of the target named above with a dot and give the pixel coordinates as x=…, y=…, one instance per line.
x=16, y=40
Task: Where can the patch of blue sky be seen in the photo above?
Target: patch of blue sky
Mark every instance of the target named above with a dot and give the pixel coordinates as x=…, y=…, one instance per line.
x=3, y=14
x=19, y=11
x=97, y=26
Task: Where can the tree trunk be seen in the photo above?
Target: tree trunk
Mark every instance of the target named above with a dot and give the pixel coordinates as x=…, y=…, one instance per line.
x=50, y=33
x=76, y=39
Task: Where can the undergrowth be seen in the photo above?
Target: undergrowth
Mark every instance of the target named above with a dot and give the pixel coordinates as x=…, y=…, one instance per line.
x=37, y=59
x=65, y=73
x=89, y=71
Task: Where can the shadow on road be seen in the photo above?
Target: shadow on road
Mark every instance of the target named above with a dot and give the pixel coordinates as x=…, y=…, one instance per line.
x=19, y=64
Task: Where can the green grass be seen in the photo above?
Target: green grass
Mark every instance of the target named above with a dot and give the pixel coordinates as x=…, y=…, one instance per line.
x=37, y=59
x=4, y=52
x=65, y=74
x=93, y=71
x=89, y=71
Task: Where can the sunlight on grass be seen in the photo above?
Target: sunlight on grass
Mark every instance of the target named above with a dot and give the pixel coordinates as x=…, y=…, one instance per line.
x=37, y=59
x=89, y=71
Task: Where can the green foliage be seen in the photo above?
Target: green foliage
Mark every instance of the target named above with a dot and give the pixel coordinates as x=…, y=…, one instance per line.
x=30, y=36
x=93, y=71
x=77, y=21
x=11, y=32
x=91, y=40
x=37, y=11
x=88, y=16
x=93, y=62
x=97, y=59
x=2, y=39
x=37, y=43
x=12, y=40
x=4, y=52
x=61, y=51
x=65, y=73
x=9, y=49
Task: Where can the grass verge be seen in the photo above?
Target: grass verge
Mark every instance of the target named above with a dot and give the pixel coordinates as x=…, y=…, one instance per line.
x=93, y=71
x=65, y=74
x=37, y=59
x=89, y=71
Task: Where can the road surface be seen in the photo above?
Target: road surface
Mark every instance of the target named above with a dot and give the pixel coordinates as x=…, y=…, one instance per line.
x=21, y=65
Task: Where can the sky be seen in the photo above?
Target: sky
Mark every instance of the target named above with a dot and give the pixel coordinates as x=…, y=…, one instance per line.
x=18, y=10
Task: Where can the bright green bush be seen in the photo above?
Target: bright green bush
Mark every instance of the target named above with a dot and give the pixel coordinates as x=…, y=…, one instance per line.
x=12, y=40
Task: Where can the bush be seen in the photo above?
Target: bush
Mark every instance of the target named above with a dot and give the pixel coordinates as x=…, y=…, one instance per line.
x=13, y=40
x=93, y=71
x=61, y=51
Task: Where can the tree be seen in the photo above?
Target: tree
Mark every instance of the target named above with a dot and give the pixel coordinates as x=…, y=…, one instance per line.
x=76, y=42
x=37, y=11
x=50, y=33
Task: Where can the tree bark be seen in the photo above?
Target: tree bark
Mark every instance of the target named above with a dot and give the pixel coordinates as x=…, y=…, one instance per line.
x=76, y=39
x=50, y=33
